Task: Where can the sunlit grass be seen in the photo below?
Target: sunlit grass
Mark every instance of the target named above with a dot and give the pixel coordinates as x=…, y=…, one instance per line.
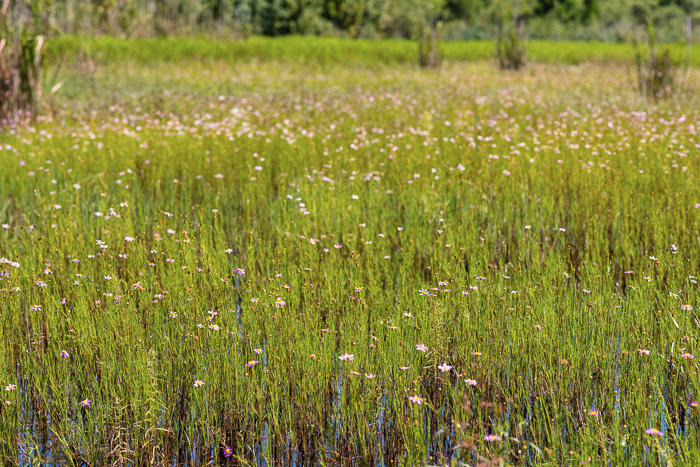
x=327, y=51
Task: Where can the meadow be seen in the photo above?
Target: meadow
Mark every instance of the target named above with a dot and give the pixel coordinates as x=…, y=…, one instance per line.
x=208, y=261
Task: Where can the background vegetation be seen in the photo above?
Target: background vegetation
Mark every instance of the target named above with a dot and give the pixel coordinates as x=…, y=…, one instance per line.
x=603, y=20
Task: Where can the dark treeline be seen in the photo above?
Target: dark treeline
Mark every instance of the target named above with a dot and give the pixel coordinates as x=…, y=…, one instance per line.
x=609, y=20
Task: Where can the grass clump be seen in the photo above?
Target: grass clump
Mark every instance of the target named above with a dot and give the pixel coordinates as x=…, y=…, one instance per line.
x=657, y=68
x=21, y=52
x=511, y=51
x=429, y=53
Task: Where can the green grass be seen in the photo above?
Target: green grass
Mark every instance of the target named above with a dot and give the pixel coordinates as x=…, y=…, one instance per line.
x=492, y=217
x=328, y=51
